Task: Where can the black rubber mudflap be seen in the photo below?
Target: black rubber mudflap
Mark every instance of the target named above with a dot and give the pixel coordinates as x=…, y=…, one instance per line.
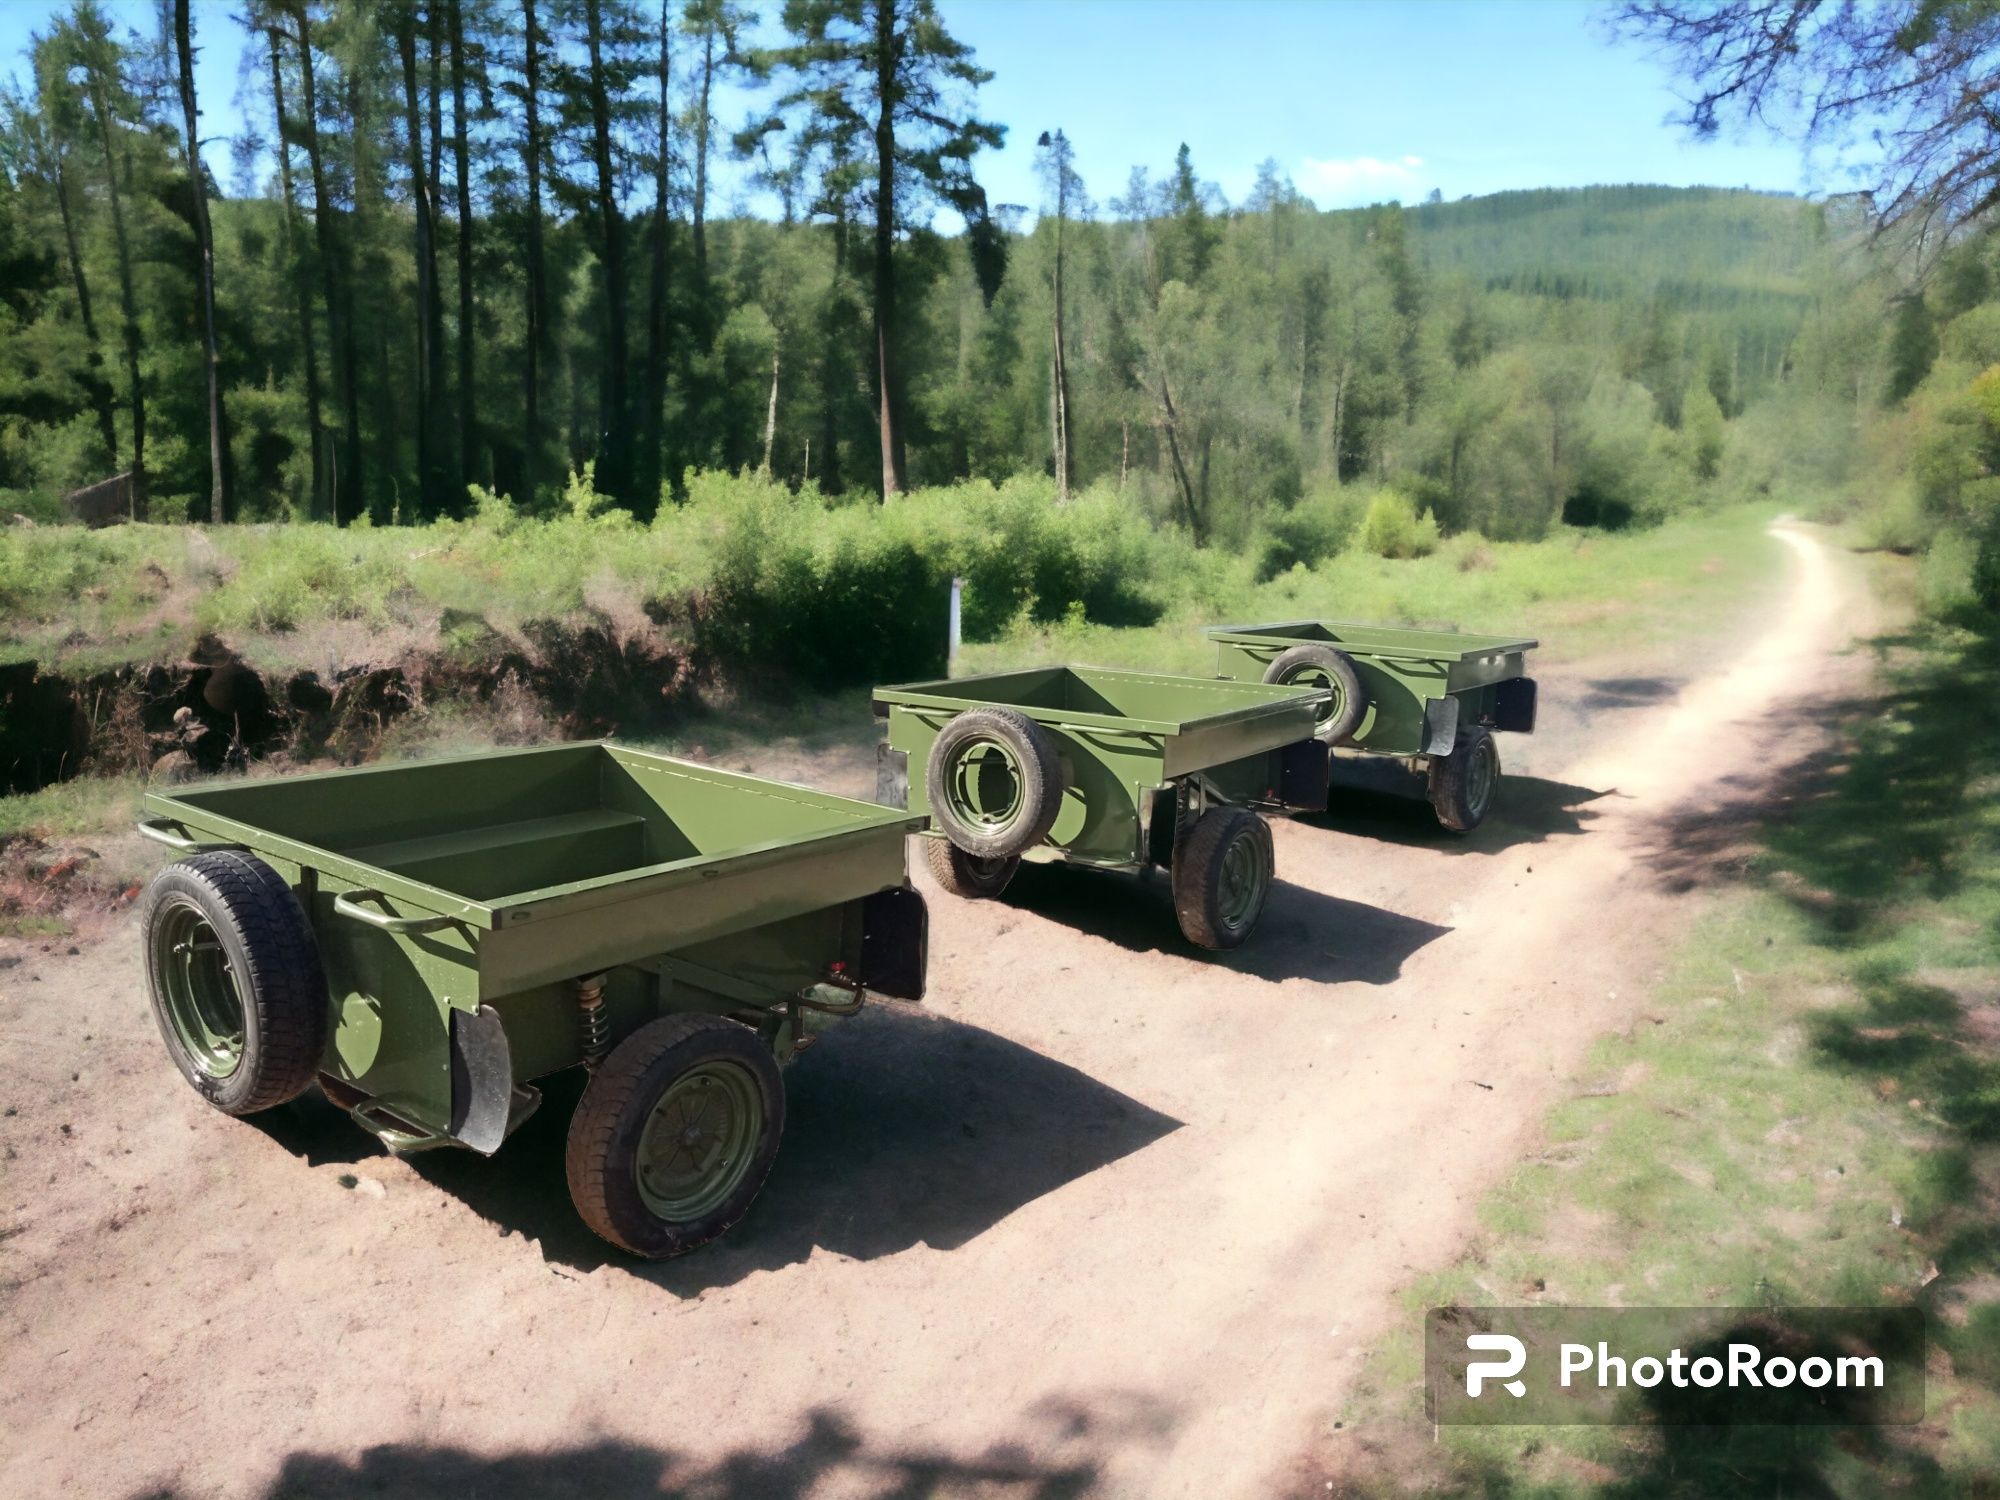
x=482, y=1079
x=1304, y=775
x=1514, y=705
x=895, y=943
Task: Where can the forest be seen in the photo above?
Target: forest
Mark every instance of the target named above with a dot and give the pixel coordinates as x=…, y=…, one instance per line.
x=471, y=263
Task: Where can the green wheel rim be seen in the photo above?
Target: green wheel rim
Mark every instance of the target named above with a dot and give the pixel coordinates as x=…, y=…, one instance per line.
x=1318, y=677
x=986, y=788
x=1241, y=887
x=203, y=1004
x=1480, y=777
x=699, y=1141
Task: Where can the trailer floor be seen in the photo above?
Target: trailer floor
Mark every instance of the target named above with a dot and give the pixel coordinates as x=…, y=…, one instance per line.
x=1103, y=1216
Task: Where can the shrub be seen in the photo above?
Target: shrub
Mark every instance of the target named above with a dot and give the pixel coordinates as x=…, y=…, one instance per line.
x=1317, y=528
x=1393, y=528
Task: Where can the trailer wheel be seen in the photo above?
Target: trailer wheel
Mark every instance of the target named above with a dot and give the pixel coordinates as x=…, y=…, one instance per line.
x=965, y=874
x=1464, y=782
x=1222, y=873
x=1323, y=666
x=675, y=1134
x=235, y=980
x=995, y=782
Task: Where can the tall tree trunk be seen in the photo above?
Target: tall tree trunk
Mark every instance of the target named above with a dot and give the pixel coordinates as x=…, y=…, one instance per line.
x=100, y=98
x=771, y=415
x=301, y=292
x=830, y=381
x=614, y=470
x=653, y=427
x=429, y=486
x=443, y=451
x=885, y=237
x=218, y=493
x=348, y=468
x=1065, y=472
x=1183, y=485
x=537, y=316
x=468, y=405
x=101, y=398
x=701, y=130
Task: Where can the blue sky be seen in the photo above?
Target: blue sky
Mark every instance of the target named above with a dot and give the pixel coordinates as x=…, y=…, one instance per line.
x=1356, y=101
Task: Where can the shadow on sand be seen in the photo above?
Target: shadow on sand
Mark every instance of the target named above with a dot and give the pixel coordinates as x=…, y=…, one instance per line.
x=1302, y=934
x=1379, y=799
x=902, y=1128
x=831, y=1453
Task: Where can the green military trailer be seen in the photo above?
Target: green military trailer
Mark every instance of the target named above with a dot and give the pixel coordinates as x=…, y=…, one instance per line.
x=1433, y=698
x=1121, y=770
x=424, y=940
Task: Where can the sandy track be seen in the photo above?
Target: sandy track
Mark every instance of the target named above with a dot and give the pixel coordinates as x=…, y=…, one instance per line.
x=1100, y=1216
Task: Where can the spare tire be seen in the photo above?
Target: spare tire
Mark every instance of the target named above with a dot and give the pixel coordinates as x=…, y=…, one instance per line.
x=235, y=978
x=1323, y=666
x=995, y=782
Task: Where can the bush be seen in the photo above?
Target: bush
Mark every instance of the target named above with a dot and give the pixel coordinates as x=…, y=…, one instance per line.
x=1317, y=528
x=1393, y=528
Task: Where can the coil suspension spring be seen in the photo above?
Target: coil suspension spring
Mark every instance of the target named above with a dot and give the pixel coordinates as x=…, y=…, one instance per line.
x=596, y=1018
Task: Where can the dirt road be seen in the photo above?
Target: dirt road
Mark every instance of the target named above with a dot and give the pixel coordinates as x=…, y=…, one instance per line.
x=1100, y=1217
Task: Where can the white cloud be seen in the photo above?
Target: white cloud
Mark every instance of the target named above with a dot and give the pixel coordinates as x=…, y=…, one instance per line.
x=1360, y=176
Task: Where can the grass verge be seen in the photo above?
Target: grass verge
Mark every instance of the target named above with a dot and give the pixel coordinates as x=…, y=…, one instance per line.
x=1809, y=1115
x=1582, y=593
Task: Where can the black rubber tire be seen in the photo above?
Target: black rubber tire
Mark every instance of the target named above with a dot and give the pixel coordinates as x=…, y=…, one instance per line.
x=1041, y=781
x=965, y=874
x=1198, y=876
x=605, y=1131
x=1351, y=705
x=1453, y=785
x=274, y=961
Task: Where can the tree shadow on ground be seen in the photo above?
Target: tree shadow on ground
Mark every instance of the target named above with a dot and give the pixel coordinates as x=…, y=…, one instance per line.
x=1303, y=934
x=831, y=1452
x=1856, y=836
x=902, y=1128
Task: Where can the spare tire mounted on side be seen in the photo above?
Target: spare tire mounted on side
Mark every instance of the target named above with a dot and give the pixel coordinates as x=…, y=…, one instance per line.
x=1323, y=666
x=995, y=782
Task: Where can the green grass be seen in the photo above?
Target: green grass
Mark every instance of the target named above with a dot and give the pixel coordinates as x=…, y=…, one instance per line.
x=70, y=809
x=1810, y=1115
x=1582, y=593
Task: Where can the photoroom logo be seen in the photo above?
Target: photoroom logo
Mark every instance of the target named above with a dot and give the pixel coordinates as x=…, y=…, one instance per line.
x=1481, y=1371
x=1536, y=1366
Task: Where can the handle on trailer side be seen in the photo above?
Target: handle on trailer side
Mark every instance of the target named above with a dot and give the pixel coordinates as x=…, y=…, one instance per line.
x=161, y=831
x=347, y=906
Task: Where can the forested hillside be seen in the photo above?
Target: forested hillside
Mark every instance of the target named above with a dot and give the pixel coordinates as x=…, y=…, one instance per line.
x=481, y=249
x=473, y=249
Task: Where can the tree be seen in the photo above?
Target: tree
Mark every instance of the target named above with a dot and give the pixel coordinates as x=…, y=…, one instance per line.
x=218, y=453
x=461, y=128
x=1919, y=78
x=429, y=479
x=267, y=16
x=348, y=471
x=535, y=299
x=877, y=78
x=101, y=60
x=713, y=24
x=1056, y=163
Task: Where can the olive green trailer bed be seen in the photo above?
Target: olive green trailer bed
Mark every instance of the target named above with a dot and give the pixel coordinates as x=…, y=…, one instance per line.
x=1432, y=698
x=425, y=940
x=1115, y=769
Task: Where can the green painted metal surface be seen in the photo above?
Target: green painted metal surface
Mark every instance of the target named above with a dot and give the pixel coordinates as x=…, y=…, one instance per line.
x=1401, y=670
x=548, y=865
x=1121, y=736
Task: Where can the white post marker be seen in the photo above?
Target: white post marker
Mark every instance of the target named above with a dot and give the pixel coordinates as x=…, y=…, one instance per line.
x=951, y=642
